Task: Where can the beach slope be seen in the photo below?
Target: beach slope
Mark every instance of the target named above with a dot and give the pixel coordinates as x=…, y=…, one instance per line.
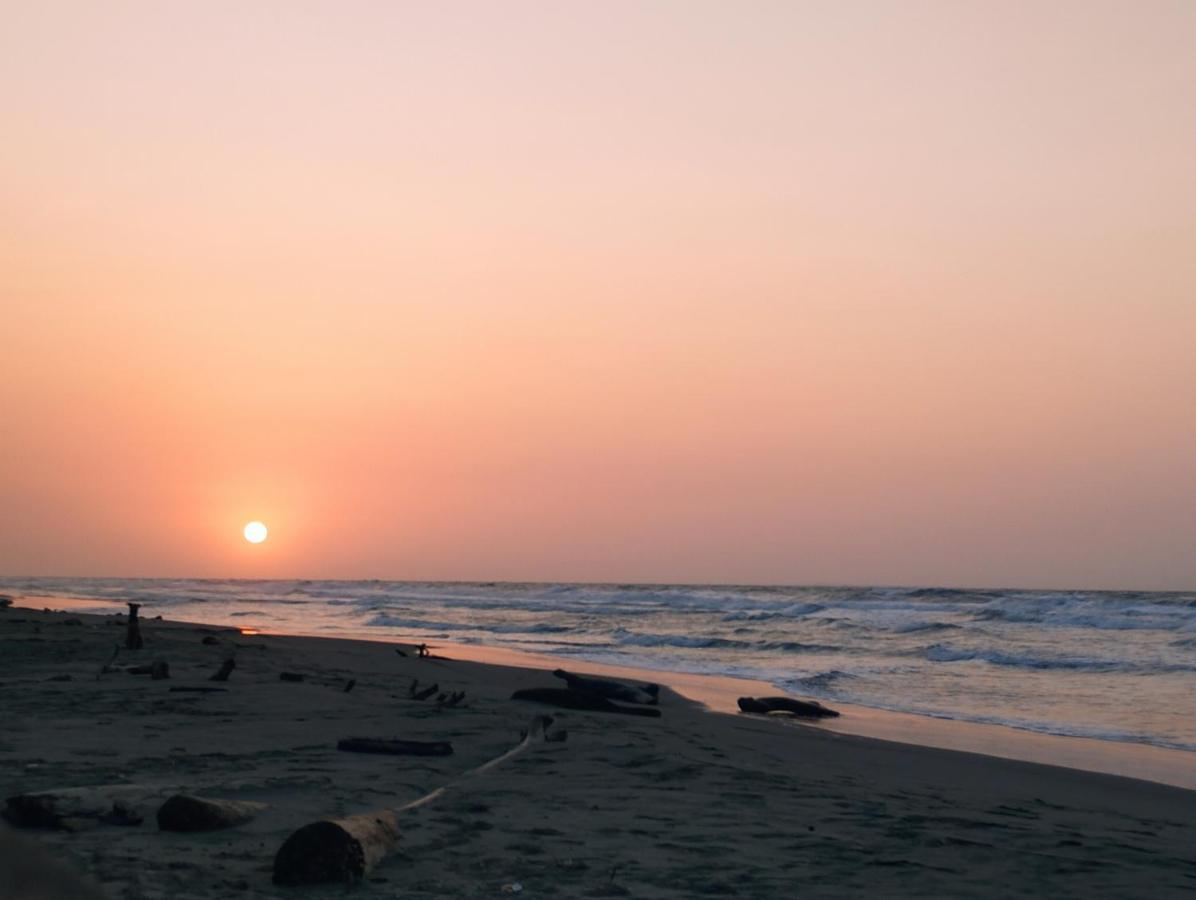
x=690, y=804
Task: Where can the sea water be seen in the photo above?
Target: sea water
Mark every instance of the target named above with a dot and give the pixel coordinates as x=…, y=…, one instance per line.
x=1117, y=666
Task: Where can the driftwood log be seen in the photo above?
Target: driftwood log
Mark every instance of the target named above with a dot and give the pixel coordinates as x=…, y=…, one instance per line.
x=226, y=669
x=133, y=629
x=810, y=709
x=69, y=809
x=570, y=699
x=395, y=747
x=648, y=694
x=183, y=812
x=290, y=676
x=346, y=849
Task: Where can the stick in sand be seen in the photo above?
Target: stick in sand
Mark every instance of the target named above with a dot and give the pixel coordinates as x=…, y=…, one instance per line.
x=333, y=850
x=133, y=632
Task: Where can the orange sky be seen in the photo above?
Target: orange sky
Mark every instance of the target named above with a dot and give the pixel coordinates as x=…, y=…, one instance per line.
x=693, y=291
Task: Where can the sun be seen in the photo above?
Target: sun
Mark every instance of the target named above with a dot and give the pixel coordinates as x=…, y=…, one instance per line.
x=255, y=532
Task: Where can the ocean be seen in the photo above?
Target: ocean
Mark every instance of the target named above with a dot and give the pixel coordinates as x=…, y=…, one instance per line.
x=1118, y=666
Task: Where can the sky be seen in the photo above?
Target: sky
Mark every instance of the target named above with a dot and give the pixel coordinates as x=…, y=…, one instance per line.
x=768, y=292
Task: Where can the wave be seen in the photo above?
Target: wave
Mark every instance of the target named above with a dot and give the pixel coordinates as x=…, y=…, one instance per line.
x=819, y=682
x=388, y=621
x=923, y=627
x=947, y=653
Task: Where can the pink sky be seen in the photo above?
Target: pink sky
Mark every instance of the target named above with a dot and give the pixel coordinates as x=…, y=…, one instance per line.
x=768, y=292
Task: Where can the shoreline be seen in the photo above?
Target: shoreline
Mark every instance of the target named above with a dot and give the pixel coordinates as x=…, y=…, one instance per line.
x=718, y=693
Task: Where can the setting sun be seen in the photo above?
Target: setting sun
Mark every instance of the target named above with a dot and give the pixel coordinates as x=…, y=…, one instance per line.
x=255, y=532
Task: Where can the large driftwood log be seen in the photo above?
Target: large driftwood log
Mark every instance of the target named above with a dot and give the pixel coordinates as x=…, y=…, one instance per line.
x=395, y=747
x=186, y=813
x=133, y=630
x=648, y=694
x=346, y=849
x=70, y=809
x=570, y=699
x=810, y=709
x=336, y=849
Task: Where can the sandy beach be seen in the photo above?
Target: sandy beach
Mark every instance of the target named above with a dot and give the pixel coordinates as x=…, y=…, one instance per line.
x=694, y=803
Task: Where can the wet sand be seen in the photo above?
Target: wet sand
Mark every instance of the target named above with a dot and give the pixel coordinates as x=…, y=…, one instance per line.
x=692, y=804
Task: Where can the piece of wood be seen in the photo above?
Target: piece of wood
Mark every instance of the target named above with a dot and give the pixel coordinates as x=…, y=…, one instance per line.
x=226, y=669
x=290, y=676
x=395, y=747
x=648, y=694
x=335, y=850
x=157, y=670
x=107, y=667
x=133, y=629
x=809, y=709
x=183, y=812
x=570, y=699
x=69, y=809
x=350, y=684
x=426, y=692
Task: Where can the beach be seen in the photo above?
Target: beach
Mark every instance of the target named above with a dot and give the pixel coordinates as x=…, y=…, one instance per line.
x=694, y=803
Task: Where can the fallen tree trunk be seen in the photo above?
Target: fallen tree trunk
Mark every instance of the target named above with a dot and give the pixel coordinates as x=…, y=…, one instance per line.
x=648, y=694
x=186, y=813
x=395, y=747
x=570, y=699
x=810, y=709
x=69, y=809
x=346, y=849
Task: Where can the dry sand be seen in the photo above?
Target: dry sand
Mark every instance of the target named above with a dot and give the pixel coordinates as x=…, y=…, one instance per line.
x=693, y=804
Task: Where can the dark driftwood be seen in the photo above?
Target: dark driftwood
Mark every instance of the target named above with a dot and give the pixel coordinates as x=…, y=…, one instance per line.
x=185, y=813
x=336, y=849
x=133, y=630
x=157, y=670
x=290, y=676
x=395, y=747
x=350, y=684
x=648, y=694
x=226, y=669
x=425, y=693
x=810, y=709
x=568, y=699
x=70, y=809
